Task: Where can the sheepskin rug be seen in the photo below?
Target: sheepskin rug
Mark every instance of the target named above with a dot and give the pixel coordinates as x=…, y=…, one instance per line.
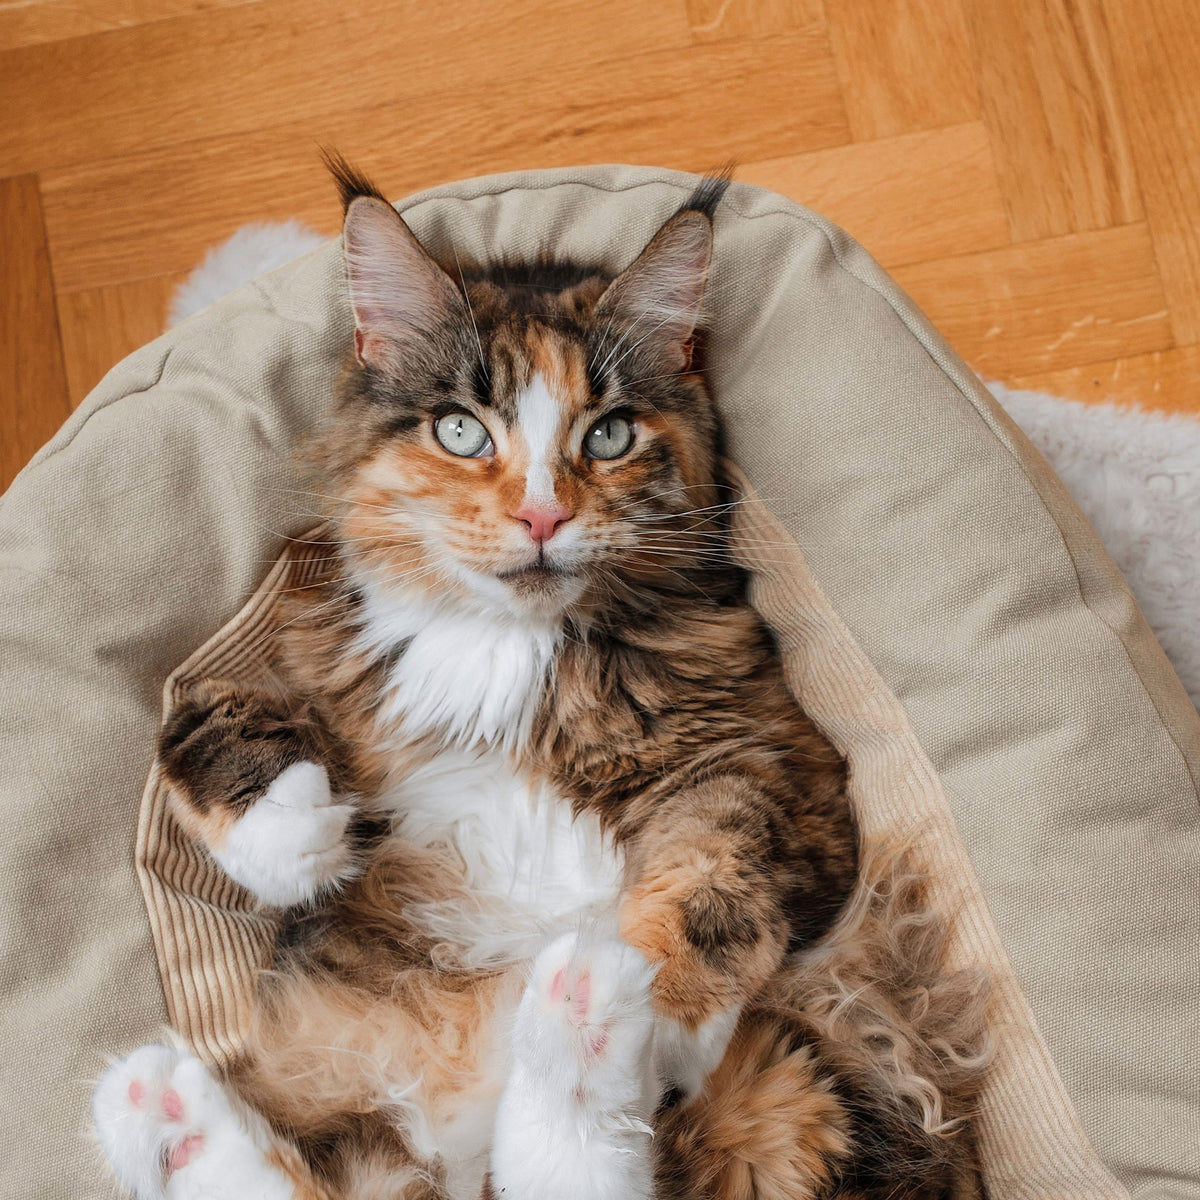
x=1135, y=474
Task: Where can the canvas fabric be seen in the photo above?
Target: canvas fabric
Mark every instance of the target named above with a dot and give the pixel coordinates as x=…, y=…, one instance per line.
x=944, y=612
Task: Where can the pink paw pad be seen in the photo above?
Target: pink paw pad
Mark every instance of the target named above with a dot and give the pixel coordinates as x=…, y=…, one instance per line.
x=137, y=1092
x=182, y=1154
x=172, y=1105
x=573, y=993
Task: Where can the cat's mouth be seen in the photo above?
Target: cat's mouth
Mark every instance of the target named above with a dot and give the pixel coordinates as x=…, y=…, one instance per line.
x=537, y=577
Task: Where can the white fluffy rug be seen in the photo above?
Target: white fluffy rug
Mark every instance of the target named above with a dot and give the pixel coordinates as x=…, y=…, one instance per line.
x=1136, y=475
x=252, y=251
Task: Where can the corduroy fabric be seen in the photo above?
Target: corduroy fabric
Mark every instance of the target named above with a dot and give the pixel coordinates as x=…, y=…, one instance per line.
x=1030, y=1141
x=1013, y=699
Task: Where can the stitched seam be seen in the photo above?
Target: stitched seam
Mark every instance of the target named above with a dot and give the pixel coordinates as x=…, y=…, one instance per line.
x=41, y=459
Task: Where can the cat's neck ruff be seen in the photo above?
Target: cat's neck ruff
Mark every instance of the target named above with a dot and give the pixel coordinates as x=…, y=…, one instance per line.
x=468, y=673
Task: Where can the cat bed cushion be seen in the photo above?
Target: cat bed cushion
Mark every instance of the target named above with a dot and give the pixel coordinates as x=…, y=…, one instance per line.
x=943, y=609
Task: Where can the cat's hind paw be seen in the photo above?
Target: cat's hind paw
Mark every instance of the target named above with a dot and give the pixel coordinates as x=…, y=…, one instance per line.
x=290, y=845
x=574, y=1116
x=585, y=1022
x=172, y=1133
x=132, y=1107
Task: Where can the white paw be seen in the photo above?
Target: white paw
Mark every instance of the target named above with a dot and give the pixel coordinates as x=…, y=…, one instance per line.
x=172, y=1133
x=290, y=845
x=574, y=1116
x=585, y=1022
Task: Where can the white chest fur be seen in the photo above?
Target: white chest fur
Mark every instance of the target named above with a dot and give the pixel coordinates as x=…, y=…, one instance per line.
x=530, y=868
x=473, y=680
x=467, y=675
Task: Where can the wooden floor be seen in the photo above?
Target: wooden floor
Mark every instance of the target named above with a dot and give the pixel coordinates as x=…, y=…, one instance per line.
x=1029, y=170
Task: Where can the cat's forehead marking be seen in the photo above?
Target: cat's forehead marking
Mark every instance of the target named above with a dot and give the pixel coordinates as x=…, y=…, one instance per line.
x=539, y=417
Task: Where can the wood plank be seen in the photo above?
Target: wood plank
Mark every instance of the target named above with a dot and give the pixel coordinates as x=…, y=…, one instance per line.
x=1157, y=51
x=33, y=385
x=32, y=22
x=1048, y=91
x=240, y=69
x=723, y=20
x=155, y=213
x=1041, y=306
x=906, y=199
x=101, y=326
x=1164, y=380
x=904, y=65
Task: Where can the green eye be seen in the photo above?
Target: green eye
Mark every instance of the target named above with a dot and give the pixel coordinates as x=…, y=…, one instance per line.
x=462, y=434
x=610, y=437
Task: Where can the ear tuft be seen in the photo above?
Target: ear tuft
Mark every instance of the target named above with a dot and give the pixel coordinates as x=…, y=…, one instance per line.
x=710, y=191
x=351, y=182
x=658, y=296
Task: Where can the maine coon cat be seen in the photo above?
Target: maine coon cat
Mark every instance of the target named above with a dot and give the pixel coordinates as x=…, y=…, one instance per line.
x=575, y=905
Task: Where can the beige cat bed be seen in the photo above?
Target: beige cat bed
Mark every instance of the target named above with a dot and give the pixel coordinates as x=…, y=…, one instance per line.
x=945, y=613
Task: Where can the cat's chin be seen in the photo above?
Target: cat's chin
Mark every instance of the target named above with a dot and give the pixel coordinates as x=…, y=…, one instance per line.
x=543, y=589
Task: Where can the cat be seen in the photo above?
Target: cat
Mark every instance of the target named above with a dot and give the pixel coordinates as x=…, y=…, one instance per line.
x=574, y=899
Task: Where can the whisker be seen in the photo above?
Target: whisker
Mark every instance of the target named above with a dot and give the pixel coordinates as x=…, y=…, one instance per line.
x=337, y=499
x=308, y=612
x=713, y=535
x=687, y=487
x=383, y=539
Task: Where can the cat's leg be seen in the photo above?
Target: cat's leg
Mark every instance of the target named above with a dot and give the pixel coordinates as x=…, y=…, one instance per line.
x=172, y=1132
x=717, y=894
x=574, y=1116
x=251, y=782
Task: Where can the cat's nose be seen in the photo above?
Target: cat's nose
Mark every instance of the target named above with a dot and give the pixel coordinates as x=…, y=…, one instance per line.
x=542, y=522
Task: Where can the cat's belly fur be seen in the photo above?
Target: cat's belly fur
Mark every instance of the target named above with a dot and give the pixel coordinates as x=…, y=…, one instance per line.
x=529, y=871
x=530, y=868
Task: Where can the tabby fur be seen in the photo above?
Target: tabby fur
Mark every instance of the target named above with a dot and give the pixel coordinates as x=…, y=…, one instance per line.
x=817, y=1043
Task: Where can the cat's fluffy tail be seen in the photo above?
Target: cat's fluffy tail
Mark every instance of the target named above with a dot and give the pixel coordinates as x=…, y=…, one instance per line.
x=855, y=1073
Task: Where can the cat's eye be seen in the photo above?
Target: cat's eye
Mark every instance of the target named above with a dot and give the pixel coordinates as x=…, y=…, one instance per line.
x=610, y=437
x=462, y=434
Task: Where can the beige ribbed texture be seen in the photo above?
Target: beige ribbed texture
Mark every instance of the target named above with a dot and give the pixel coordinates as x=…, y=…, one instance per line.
x=1031, y=1145
x=210, y=936
x=1038, y=704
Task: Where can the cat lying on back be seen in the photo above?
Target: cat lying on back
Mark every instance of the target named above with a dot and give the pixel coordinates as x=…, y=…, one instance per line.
x=549, y=825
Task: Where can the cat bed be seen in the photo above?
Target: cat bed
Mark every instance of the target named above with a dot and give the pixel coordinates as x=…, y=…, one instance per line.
x=944, y=612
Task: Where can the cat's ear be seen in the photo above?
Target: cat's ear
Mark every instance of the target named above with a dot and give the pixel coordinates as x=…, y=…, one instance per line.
x=661, y=290
x=400, y=296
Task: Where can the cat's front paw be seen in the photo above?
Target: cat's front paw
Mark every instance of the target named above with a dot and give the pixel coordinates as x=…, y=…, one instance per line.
x=171, y=1132
x=291, y=844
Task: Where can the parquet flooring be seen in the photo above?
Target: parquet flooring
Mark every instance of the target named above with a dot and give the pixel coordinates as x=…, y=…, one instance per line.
x=1029, y=170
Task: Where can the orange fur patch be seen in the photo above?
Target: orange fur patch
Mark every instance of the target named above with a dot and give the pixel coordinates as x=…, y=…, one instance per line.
x=765, y=1128
x=688, y=988
x=287, y=1160
x=209, y=828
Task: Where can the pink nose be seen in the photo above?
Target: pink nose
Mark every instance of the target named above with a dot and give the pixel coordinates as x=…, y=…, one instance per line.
x=542, y=522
